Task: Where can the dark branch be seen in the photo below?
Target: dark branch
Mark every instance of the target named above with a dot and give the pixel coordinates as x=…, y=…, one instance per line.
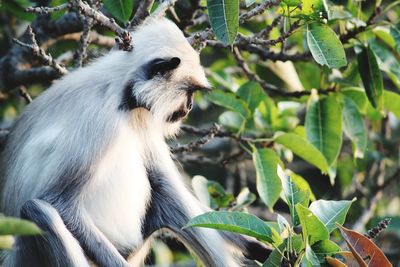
x=38, y=52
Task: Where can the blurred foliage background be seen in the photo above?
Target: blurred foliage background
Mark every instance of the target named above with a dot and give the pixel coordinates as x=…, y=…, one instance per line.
x=310, y=84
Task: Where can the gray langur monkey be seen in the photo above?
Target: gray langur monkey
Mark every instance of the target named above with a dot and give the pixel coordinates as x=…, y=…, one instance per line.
x=87, y=161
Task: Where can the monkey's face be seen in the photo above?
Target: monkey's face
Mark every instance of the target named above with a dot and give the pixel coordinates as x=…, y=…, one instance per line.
x=164, y=82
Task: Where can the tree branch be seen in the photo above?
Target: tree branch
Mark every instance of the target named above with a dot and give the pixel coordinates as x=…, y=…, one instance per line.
x=38, y=52
x=198, y=143
x=47, y=10
x=143, y=11
x=259, y=9
x=124, y=38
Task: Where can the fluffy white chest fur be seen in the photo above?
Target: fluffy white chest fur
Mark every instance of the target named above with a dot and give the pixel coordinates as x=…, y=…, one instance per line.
x=120, y=180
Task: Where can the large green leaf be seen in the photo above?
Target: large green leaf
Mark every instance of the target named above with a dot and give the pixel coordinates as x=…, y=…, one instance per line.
x=386, y=61
x=324, y=248
x=230, y=101
x=392, y=102
x=313, y=229
x=357, y=94
x=231, y=120
x=224, y=19
x=120, y=9
x=310, y=259
x=371, y=76
x=276, y=256
x=238, y=222
x=294, y=194
x=353, y=126
x=16, y=226
x=324, y=126
x=331, y=212
x=302, y=148
x=269, y=184
x=252, y=93
x=395, y=32
x=325, y=46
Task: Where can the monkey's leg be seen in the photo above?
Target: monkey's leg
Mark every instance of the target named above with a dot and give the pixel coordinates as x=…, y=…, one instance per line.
x=168, y=209
x=55, y=247
x=93, y=242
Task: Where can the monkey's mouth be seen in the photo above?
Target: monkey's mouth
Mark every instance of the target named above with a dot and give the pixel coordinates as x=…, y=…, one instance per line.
x=183, y=110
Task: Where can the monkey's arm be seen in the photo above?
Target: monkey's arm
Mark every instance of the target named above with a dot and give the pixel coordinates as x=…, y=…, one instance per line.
x=170, y=210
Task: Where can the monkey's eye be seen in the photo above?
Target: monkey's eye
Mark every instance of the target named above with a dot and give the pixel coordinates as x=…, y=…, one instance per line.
x=161, y=66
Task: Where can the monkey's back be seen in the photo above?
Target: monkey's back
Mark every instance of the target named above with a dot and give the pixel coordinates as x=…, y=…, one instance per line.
x=54, y=141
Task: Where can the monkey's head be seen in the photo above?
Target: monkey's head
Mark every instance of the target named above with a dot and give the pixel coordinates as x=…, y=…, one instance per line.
x=167, y=72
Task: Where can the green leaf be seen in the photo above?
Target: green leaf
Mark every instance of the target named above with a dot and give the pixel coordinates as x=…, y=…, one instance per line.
x=310, y=258
x=224, y=19
x=371, y=76
x=229, y=100
x=386, y=61
x=294, y=194
x=292, y=2
x=358, y=96
x=244, y=199
x=302, y=183
x=313, y=229
x=275, y=258
x=120, y=9
x=325, y=46
x=16, y=226
x=302, y=148
x=395, y=32
x=269, y=184
x=331, y=212
x=238, y=222
x=324, y=126
x=325, y=247
x=231, y=120
x=353, y=126
x=252, y=93
x=392, y=102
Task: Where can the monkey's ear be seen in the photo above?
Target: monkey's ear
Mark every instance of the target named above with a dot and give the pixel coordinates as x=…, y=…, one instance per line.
x=161, y=66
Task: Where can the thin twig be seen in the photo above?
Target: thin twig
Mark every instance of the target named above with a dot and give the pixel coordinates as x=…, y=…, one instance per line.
x=47, y=59
x=198, y=143
x=81, y=53
x=162, y=8
x=124, y=39
x=94, y=38
x=267, y=30
x=264, y=42
x=24, y=93
x=143, y=11
x=46, y=10
x=258, y=10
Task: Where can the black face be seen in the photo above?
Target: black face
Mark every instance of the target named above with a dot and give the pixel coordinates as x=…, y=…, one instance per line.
x=159, y=67
x=183, y=110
